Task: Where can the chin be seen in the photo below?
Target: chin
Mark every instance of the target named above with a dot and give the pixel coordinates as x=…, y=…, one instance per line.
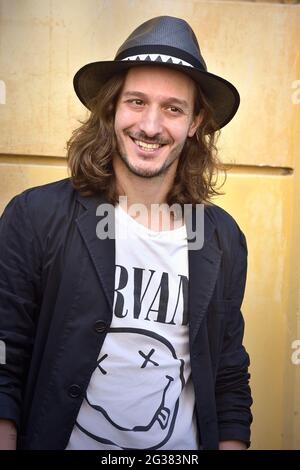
x=146, y=172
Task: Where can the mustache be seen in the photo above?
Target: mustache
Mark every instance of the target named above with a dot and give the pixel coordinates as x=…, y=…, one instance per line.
x=156, y=139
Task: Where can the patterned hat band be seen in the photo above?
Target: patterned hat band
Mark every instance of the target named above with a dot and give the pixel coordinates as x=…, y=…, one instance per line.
x=167, y=59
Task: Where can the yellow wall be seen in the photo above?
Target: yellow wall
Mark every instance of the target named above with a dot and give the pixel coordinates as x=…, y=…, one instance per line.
x=254, y=45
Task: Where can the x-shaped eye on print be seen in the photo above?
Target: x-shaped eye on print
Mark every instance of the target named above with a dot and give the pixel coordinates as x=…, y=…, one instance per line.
x=147, y=358
x=100, y=360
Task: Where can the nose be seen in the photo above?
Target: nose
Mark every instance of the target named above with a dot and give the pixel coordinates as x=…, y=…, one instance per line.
x=151, y=122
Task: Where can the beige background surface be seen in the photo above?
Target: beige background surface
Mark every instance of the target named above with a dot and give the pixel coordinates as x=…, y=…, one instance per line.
x=43, y=43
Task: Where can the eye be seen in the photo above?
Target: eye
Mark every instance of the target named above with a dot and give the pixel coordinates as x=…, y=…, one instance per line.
x=147, y=358
x=174, y=110
x=136, y=102
x=104, y=372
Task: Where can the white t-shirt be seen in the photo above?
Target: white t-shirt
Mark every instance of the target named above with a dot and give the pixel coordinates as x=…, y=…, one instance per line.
x=140, y=395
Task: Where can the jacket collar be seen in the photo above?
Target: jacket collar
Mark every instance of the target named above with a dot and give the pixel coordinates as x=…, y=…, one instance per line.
x=204, y=263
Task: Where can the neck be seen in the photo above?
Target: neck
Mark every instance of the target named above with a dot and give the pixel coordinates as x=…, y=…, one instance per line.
x=141, y=190
x=146, y=192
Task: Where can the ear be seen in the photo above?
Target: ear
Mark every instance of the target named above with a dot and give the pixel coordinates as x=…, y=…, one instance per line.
x=195, y=124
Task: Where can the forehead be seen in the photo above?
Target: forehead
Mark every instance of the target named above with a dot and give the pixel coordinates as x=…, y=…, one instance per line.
x=159, y=80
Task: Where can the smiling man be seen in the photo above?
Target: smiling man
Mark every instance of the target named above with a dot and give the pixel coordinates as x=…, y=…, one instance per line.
x=129, y=336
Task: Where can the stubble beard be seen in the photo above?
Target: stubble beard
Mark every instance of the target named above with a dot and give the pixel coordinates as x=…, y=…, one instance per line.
x=148, y=172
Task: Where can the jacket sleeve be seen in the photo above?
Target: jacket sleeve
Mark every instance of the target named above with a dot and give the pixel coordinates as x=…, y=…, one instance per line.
x=233, y=395
x=19, y=300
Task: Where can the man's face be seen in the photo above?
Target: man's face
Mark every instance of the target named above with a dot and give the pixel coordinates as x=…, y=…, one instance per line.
x=154, y=117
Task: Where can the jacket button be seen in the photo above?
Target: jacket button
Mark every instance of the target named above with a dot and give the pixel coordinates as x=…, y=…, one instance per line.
x=100, y=326
x=74, y=391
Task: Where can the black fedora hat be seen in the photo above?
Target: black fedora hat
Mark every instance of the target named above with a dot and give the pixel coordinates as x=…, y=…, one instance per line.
x=167, y=41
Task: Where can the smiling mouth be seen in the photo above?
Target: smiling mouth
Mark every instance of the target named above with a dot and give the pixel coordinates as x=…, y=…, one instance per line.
x=148, y=147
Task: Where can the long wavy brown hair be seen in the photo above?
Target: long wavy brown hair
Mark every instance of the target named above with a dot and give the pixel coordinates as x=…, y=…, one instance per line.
x=93, y=144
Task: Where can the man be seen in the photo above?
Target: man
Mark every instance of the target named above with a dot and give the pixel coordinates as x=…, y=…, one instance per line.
x=122, y=330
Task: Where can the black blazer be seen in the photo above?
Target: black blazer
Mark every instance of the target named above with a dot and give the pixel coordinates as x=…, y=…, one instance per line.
x=56, y=297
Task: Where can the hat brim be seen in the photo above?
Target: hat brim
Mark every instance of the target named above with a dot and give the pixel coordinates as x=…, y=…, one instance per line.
x=221, y=94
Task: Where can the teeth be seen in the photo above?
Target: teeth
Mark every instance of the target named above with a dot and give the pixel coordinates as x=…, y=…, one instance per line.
x=146, y=146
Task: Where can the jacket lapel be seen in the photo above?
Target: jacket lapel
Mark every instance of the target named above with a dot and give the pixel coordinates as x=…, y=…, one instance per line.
x=204, y=265
x=101, y=250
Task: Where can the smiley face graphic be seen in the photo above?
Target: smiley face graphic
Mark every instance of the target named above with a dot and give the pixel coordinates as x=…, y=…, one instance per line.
x=133, y=396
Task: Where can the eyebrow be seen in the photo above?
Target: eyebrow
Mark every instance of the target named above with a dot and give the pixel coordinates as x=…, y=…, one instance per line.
x=168, y=100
